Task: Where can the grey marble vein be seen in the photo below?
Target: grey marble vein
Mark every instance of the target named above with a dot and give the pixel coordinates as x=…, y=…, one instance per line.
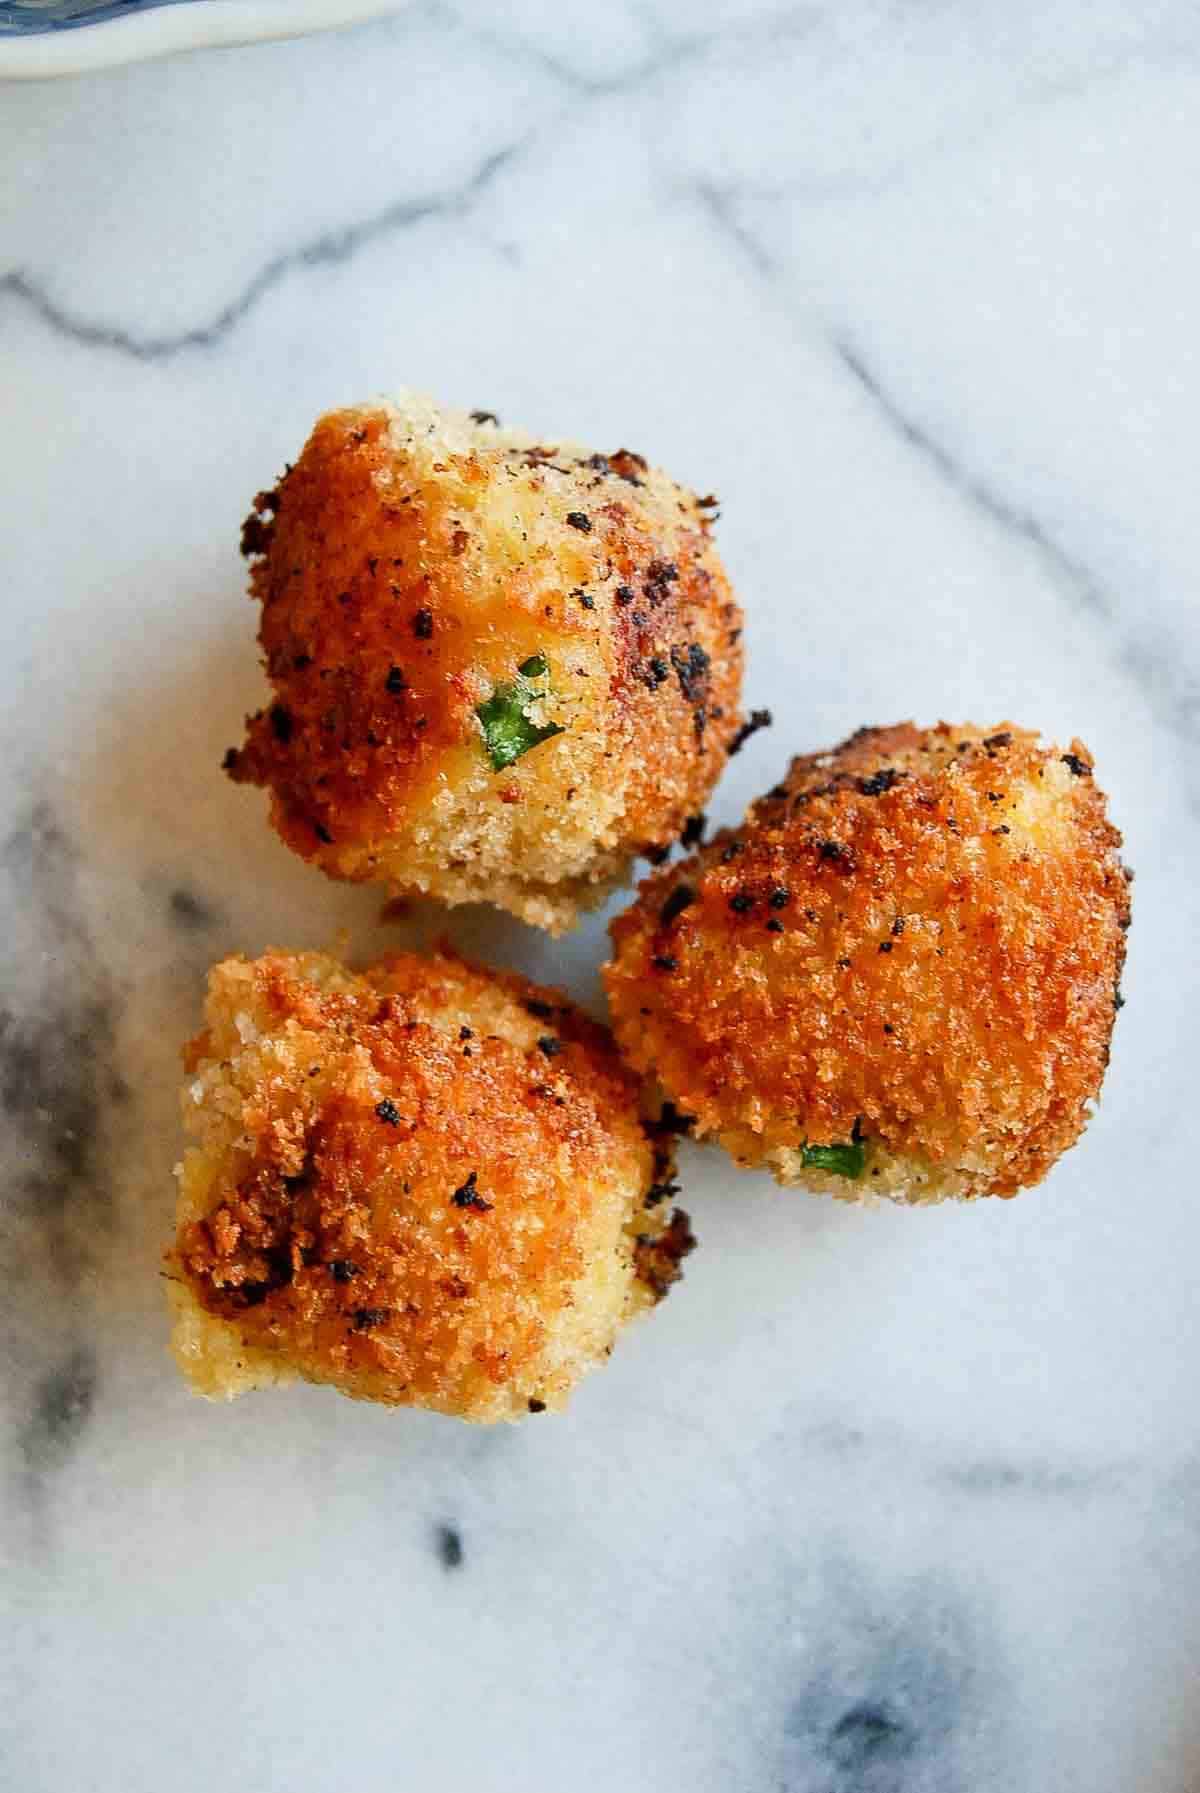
x=1162, y=671
x=995, y=1477
x=883, y=1687
x=58, y=1080
x=448, y=1543
x=890, y=1451
x=718, y=204
x=1013, y=519
x=190, y=912
x=57, y=1031
x=30, y=292
x=61, y=1404
x=673, y=52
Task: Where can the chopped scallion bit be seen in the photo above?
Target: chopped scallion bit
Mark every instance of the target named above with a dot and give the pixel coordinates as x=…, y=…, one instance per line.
x=838, y=1160
x=508, y=730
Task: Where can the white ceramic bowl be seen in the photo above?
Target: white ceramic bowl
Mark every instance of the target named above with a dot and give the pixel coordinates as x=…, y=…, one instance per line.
x=156, y=30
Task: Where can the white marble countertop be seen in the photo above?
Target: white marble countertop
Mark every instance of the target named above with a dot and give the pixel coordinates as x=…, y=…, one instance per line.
x=881, y=1502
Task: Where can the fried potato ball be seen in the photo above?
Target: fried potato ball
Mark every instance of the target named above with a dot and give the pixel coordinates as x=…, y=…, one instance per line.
x=898, y=976
x=501, y=668
x=427, y=1184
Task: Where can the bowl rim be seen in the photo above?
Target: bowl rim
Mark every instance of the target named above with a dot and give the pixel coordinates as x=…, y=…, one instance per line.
x=190, y=25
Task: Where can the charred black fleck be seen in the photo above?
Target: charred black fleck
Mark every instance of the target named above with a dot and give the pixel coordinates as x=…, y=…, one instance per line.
x=756, y=720
x=671, y=1123
x=467, y=1196
x=691, y=665
x=884, y=780
x=681, y=898
x=365, y=1318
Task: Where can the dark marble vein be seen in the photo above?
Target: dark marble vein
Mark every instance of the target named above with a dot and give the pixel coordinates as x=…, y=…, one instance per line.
x=750, y=44
x=1040, y=1479
x=57, y=1037
x=887, y=1452
x=719, y=206
x=189, y=912
x=449, y=1546
x=870, y=1738
x=888, y=1692
x=60, y=1407
x=1153, y=660
x=1012, y=518
x=674, y=50
x=58, y=1084
x=30, y=292
x=1160, y=668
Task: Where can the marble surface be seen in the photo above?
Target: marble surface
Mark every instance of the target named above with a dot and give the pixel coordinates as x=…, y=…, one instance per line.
x=880, y=1502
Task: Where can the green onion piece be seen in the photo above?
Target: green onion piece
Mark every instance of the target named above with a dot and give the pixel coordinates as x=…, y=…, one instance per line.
x=508, y=731
x=839, y=1161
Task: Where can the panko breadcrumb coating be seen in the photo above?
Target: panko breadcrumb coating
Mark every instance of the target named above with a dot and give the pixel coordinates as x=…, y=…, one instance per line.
x=898, y=976
x=427, y=1184
x=502, y=668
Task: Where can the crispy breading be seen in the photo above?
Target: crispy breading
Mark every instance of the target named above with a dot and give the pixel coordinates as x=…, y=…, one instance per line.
x=408, y=565
x=427, y=1184
x=910, y=949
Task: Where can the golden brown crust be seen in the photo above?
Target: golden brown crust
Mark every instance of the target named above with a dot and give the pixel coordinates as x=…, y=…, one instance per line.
x=428, y=1184
x=406, y=566
x=915, y=939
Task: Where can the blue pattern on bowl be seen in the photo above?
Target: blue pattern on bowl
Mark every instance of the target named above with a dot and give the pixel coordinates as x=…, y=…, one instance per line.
x=26, y=18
